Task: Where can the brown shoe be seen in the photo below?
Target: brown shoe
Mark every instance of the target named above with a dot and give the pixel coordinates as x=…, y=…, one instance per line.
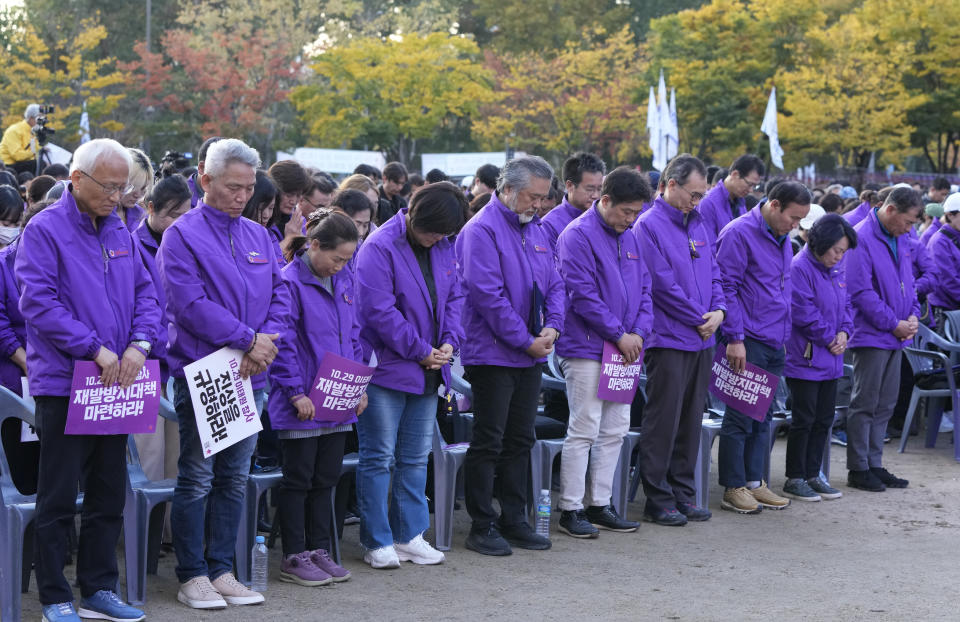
x=740, y=500
x=767, y=498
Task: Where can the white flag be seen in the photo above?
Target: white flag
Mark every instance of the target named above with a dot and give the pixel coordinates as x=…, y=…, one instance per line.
x=663, y=123
x=653, y=123
x=800, y=173
x=673, y=132
x=872, y=166
x=811, y=174
x=769, y=127
x=84, y=125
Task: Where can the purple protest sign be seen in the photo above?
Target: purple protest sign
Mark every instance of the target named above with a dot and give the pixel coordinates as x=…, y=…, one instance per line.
x=338, y=387
x=618, y=381
x=96, y=409
x=749, y=392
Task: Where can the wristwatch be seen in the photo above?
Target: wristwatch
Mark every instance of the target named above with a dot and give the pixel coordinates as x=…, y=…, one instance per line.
x=143, y=345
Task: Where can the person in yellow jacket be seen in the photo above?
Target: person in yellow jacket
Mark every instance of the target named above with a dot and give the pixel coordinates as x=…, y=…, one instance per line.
x=18, y=149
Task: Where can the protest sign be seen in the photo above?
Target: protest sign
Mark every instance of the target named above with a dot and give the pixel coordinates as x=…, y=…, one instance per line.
x=96, y=409
x=618, y=381
x=338, y=387
x=749, y=392
x=223, y=402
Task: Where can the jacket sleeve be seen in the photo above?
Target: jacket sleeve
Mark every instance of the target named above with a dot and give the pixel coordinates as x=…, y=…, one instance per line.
x=864, y=298
x=485, y=290
x=452, y=331
x=285, y=372
x=36, y=269
x=732, y=259
x=663, y=283
x=8, y=338
x=147, y=314
x=926, y=269
x=555, y=299
x=643, y=323
x=808, y=320
x=578, y=271
x=187, y=300
x=946, y=256
x=378, y=305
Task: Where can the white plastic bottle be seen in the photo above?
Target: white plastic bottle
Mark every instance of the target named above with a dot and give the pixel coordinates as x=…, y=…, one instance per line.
x=543, y=514
x=258, y=568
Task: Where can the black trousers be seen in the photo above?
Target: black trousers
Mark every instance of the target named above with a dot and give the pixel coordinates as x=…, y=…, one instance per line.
x=311, y=468
x=504, y=412
x=814, y=403
x=99, y=463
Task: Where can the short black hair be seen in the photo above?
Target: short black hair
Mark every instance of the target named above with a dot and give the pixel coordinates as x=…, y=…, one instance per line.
x=681, y=168
x=202, y=154
x=56, y=171
x=831, y=202
x=434, y=175
x=353, y=202
x=718, y=175
x=11, y=204
x=414, y=181
x=771, y=184
x=438, y=208
x=904, y=199
x=264, y=190
x=322, y=182
x=940, y=183
x=827, y=231
x=395, y=172
x=580, y=163
x=747, y=163
x=711, y=172
x=8, y=179
x=626, y=184
x=367, y=171
x=488, y=175
x=787, y=192
x=169, y=193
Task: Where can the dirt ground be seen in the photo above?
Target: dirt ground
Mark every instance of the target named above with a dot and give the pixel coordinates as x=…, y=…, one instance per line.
x=867, y=556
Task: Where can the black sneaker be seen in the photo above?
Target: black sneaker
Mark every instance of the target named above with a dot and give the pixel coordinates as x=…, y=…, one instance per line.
x=574, y=523
x=865, y=480
x=889, y=479
x=693, y=512
x=663, y=516
x=523, y=536
x=487, y=540
x=605, y=517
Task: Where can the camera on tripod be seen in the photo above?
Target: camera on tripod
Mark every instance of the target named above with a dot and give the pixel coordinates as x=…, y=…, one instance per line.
x=40, y=130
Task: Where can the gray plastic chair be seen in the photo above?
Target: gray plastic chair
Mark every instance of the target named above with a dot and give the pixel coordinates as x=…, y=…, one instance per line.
x=257, y=484
x=923, y=360
x=143, y=495
x=447, y=461
x=621, y=476
x=709, y=430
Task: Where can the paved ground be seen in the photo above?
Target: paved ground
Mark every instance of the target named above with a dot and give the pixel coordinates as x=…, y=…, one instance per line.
x=868, y=556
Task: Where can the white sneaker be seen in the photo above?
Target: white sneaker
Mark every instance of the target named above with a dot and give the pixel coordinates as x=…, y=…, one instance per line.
x=384, y=557
x=419, y=551
x=199, y=593
x=234, y=592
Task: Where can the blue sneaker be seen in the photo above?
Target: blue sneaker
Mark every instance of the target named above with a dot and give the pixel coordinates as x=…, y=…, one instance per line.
x=106, y=605
x=61, y=612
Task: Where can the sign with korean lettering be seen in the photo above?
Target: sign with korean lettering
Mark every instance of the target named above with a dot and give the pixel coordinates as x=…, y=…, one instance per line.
x=618, y=381
x=338, y=387
x=749, y=392
x=96, y=409
x=222, y=400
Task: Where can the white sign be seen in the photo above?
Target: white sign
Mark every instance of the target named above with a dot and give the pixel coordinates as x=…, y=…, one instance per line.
x=222, y=401
x=339, y=161
x=460, y=164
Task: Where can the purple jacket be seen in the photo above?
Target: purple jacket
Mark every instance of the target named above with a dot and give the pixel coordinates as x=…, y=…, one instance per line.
x=683, y=288
x=858, y=214
x=148, y=252
x=935, y=225
x=881, y=286
x=947, y=257
x=222, y=283
x=396, y=313
x=557, y=220
x=925, y=271
x=756, y=280
x=196, y=192
x=316, y=322
x=607, y=283
x=82, y=288
x=499, y=261
x=716, y=210
x=13, y=330
x=134, y=216
x=821, y=309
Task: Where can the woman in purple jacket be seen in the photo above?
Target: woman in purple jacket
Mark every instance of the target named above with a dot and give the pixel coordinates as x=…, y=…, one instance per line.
x=130, y=210
x=321, y=317
x=822, y=323
x=410, y=301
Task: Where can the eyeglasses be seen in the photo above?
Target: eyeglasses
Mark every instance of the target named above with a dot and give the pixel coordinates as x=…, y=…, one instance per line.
x=315, y=206
x=695, y=197
x=109, y=191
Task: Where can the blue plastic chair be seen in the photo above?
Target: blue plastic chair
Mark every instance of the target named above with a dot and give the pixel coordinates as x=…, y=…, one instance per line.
x=257, y=484
x=923, y=360
x=143, y=495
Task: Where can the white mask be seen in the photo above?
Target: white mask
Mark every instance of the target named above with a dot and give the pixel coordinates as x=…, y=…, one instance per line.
x=8, y=235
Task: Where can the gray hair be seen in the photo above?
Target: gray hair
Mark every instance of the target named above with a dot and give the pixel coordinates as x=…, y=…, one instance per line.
x=517, y=173
x=89, y=155
x=32, y=111
x=227, y=151
x=904, y=199
x=681, y=168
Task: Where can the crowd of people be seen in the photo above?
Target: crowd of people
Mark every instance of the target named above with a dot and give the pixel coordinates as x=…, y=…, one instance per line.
x=113, y=264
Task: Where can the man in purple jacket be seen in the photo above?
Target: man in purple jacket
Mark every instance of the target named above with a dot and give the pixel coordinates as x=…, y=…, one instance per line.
x=513, y=314
x=880, y=278
x=726, y=200
x=944, y=247
x=86, y=296
x=223, y=289
x=688, y=307
x=754, y=254
x=582, y=177
x=608, y=300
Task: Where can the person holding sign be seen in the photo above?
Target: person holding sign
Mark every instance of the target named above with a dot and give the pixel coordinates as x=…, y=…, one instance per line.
x=608, y=301
x=321, y=317
x=86, y=295
x=688, y=307
x=754, y=254
x=822, y=323
x=880, y=277
x=410, y=315
x=514, y=314
x=224, y=289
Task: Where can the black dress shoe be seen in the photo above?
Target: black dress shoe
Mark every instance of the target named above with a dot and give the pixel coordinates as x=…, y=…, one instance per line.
x=664, y=516
x=487, y=540
x=865, y=480
x=605, y=517
x=523, y=536
x=889, y=479
x=693, y=512
x=574, y=523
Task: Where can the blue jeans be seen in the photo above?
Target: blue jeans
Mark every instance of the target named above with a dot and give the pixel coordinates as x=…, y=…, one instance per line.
x=208, y=499
x=745, y=442
x=396, y=430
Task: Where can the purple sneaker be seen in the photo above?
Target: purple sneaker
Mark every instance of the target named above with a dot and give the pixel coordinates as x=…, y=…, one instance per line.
x=324, y=562
x=300, y=569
